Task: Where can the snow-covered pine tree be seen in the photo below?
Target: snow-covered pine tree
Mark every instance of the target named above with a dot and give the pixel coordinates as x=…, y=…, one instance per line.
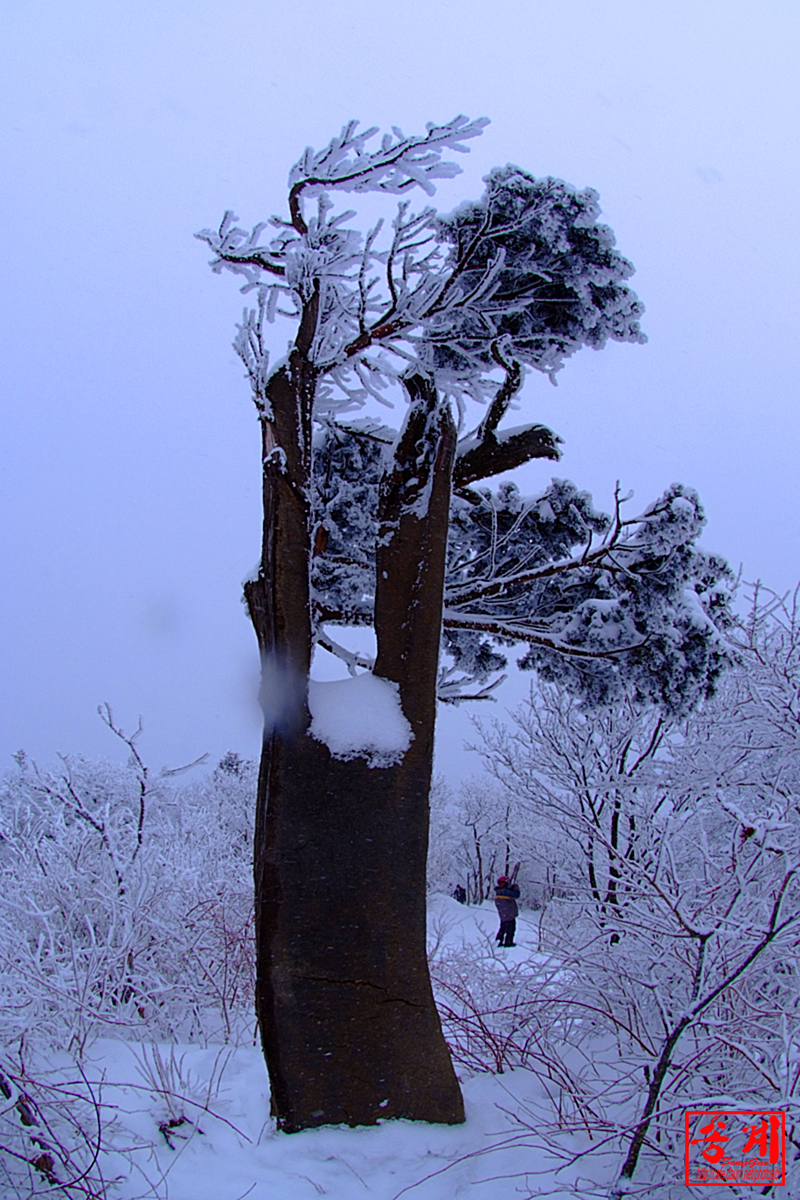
x=450, y=310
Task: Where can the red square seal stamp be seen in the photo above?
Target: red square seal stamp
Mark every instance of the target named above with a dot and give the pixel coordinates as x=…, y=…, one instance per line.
x=726, y=1146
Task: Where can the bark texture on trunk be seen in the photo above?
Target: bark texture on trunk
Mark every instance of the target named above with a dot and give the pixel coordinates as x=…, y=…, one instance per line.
x=348, y=1023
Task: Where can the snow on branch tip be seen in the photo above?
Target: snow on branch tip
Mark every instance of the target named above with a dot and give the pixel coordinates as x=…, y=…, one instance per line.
x=399, y=163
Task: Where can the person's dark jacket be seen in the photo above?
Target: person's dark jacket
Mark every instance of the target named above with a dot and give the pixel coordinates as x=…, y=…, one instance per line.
x=505, y=898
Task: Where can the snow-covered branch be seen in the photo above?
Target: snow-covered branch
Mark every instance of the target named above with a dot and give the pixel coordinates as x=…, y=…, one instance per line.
x=351, y=658
x=400, y=163
x=525, y=276
x=523, y=631
x=610, y=595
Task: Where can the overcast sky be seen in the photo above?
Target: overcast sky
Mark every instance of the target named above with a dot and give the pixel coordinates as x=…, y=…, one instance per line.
x=130, y=451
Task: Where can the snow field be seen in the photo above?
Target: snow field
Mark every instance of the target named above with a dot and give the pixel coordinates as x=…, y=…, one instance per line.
x=226, y=1148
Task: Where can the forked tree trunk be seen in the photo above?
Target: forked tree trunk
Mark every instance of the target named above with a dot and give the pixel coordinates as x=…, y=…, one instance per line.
x=348, y=1023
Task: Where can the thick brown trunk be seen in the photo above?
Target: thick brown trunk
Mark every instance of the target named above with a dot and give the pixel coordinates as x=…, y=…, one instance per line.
x=348, y=1023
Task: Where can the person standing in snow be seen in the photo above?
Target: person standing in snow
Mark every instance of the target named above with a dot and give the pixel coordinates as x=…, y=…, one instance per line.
x=506, y=895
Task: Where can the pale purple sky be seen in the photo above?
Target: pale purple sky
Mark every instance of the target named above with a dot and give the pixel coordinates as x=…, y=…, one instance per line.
x=130, y=472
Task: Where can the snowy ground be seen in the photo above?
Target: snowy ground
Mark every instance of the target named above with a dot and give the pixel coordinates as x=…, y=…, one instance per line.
x=232, y=1151
x=192, y=1123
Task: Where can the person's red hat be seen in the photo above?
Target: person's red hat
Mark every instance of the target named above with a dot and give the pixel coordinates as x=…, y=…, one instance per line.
x=502, y=879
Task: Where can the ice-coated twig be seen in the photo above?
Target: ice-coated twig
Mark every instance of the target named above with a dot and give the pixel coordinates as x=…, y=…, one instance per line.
x=351, y=658
x=399, y=164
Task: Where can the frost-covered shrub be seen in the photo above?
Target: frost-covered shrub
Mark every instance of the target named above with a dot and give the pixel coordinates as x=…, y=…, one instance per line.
x=677, y=852
x=498, y=1016
x=125, y=902
x=53, y=1129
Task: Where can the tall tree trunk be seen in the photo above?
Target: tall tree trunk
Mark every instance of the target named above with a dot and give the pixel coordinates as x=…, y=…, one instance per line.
x=348, y=1023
